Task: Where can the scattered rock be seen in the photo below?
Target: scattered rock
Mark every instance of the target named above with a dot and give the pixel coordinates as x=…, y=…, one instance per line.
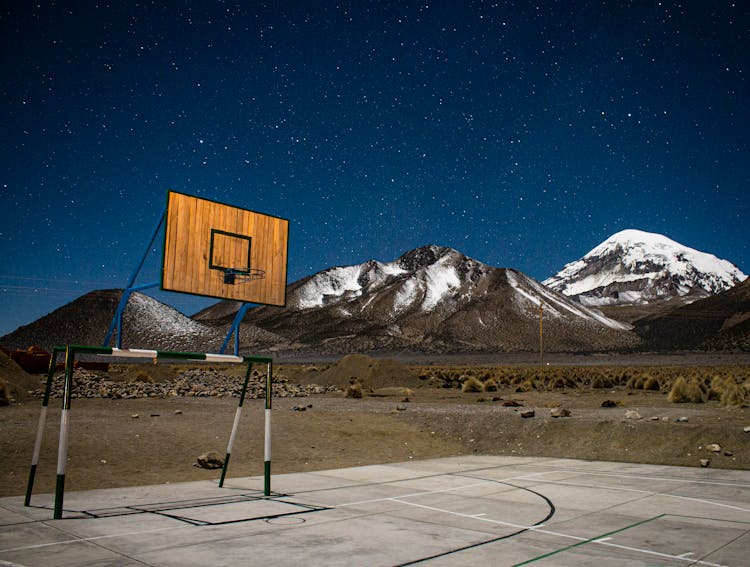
x=609, y=404
x=401, y=407
x=178, y=412
x=210, y=460
x=512, y=404
x=559, y=412
x=728, y=454
x=746, y=429
x=191, y=382
x=135, y=416
x=632, y=414
x=682, y=419
x=155, y=415
x=705, y=462
x=713, y=447
x=299, y=408
x=527, y=413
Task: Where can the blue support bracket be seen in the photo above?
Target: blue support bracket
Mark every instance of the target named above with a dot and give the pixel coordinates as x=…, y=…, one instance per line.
x=235, y=328
x=130, y=288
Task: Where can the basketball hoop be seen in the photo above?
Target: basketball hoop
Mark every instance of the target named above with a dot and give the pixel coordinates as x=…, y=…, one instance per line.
x=232, y=275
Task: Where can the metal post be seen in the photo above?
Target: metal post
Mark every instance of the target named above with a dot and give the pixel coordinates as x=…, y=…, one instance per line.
x=62, y=448
x=235, y=328
x=541, y=348
x=267, y=444
x=41, y=424
x=236, y=424
x=117, y=319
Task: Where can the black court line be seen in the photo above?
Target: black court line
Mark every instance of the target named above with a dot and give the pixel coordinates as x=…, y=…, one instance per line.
x=396, y=481
x=551, y=512
x=164, y=509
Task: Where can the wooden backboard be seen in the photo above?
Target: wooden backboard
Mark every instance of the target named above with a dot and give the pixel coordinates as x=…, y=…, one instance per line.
x=204, y=241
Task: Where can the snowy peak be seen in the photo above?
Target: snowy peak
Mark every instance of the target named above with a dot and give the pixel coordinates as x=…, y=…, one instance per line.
x=637, y=267
x=425, y=275
x=423, y=257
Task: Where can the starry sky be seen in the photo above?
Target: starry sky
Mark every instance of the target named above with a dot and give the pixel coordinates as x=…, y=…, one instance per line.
x=521, y=133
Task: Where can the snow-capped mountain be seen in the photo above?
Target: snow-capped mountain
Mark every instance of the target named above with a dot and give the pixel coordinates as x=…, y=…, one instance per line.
x=633, y=267
x=431, y=298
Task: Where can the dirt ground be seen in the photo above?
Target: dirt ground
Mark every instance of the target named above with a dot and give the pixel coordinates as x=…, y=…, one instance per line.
x=110, y=446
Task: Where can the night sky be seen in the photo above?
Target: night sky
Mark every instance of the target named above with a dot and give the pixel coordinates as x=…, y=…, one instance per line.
x=522, y=134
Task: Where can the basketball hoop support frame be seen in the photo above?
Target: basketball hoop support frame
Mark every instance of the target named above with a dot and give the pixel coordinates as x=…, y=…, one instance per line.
x=116, y=324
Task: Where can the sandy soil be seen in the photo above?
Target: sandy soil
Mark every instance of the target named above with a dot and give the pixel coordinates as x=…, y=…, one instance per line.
x=109, y=447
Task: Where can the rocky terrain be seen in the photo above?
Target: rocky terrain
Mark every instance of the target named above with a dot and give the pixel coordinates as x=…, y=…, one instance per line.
x=154, y=421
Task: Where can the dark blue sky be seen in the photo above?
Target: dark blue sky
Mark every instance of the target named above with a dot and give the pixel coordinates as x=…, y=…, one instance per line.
x=522, y=134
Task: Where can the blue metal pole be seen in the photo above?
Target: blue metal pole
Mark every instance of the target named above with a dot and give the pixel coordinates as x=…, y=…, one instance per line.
x=117, y=319
x=235, y=328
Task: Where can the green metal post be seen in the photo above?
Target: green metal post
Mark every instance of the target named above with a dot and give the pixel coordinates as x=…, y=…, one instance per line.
x=41, y=424
x=267, y=444
x=62, y=449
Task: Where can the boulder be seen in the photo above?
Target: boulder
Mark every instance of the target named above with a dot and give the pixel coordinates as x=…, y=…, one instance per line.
x=210, y=460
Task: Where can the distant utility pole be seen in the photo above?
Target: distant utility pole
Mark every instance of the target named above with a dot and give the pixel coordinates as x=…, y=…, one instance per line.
x=541, y=335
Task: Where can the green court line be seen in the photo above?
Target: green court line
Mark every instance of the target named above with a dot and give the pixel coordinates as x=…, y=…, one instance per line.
x=580, y=543
x=709, y=519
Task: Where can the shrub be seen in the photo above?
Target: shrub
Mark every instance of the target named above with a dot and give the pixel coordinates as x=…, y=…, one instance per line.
x=354, y=390
x=635, y=383
x=490, y=385
x=685, y=392
x=472, y=384
x=732, y=395
x=651, y=383
x=527, y=385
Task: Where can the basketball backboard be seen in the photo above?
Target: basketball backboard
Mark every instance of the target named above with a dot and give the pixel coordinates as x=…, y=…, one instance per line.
x=217, y=250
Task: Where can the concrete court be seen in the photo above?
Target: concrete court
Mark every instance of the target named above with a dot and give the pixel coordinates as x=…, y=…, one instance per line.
x=472, y=510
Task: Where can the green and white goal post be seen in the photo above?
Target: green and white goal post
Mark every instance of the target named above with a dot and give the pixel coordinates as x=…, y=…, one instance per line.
x=71, y=351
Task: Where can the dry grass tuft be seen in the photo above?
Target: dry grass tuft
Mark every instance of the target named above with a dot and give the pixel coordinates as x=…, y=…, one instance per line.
x=685, y=392
x=651, y=383
x=490, y=385
x=472, y=384
x=635, y=382
x=354, y=390
x=733, y=394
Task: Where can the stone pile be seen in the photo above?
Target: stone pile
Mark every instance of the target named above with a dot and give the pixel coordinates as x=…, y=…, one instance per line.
x=189, y=383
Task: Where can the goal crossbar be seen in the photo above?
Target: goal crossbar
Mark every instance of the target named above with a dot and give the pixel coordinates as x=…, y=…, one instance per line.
x=71, y=351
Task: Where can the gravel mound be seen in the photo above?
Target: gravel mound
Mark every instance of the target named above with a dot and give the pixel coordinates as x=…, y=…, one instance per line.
x=188, y=383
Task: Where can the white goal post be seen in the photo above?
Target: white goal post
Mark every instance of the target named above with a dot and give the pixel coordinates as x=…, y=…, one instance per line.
x=62, y=448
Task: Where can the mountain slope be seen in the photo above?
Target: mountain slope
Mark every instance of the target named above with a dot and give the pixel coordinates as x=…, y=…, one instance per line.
x=633, y=267
x=147, y=323
x=430, y=299
x=719, y=322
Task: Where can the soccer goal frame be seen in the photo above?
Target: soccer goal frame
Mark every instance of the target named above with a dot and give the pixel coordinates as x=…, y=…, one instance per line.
x=71, y=351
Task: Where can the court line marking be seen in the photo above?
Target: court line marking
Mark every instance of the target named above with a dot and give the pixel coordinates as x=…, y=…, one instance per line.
x=94, y=538
x=443, y=490
x=579, y=540
x=649, y=492
x=640, y=477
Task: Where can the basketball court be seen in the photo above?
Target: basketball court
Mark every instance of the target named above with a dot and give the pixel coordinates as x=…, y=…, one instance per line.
x=474, y=510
